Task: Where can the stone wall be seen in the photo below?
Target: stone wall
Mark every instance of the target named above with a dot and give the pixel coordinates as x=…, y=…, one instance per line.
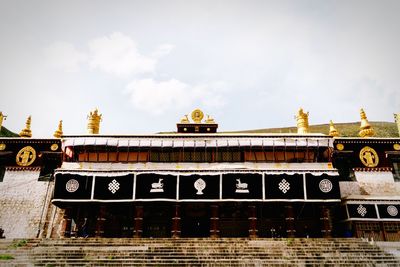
x=23, y=203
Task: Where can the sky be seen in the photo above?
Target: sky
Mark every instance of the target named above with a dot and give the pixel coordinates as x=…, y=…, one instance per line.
x=145, y=64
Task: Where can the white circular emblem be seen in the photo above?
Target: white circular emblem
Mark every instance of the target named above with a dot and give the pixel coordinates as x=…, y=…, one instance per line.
x=200, y=184
x=392, y=210
x=72, y=185
x=325, y=186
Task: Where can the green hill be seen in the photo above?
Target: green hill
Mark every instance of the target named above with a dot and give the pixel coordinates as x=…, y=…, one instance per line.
x=349, y=129
x=4, y=132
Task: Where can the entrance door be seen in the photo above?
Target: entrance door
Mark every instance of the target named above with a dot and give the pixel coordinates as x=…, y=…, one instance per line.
x=195, y=220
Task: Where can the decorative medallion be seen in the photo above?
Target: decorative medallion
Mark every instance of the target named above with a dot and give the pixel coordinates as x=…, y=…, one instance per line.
x=2, y=146
x=197, y=115
x=26, y=156
x=325, y=186
x=241, y=187
x=157, y=187
x=284, y=186
x=392, y=210
x=362, y=210
x=72, y=185
x=113, y=186
x=200, y=184
x=396, y=146
x=340, y=147
x=54, y=147
x=369, y=157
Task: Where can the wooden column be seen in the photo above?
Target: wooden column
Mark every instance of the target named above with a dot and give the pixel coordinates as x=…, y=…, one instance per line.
x=66, y=223
x=101, y=220
x=325, y=220
x=289, y=219
x=176, y=222
x=252, y=221
x=138, y=229
x=214, y=222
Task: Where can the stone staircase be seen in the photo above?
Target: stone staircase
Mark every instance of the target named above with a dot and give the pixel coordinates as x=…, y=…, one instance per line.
x=194, y=252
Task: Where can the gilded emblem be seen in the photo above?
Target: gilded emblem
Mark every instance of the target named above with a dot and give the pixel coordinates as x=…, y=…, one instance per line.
x=396, y=147
x=54, y=147
x=197, y=115
x=2, y=146
x=340, y=147
x=26, y=156
x=369, y=157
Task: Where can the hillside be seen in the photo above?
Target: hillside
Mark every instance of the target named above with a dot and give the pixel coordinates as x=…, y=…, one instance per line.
x=350, y=129
x=4, y=132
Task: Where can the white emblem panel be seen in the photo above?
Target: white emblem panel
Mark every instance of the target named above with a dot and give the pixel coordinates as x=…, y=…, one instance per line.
x=113, y=186
x=392, y=210
x=241, y=187
x=157, y=187
x=200, y=185
x=362, y=210
x=284, y=186
x=325, y=186
x=72, y=185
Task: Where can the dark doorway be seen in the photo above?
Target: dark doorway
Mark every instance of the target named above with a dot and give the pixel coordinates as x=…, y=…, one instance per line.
x=157, y=220
x=195, y=220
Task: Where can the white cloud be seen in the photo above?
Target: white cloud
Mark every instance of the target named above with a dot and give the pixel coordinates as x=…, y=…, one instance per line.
x=157, y=97
x=64, y=56
x=118, y=54
x=163, y=50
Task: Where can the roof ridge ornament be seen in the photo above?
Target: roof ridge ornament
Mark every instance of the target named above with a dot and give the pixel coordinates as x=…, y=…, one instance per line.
x=26, y=132
x=59, y=132
x=197, y=125
x=94, y=119
x=302, y=122
x=366, y=129
x=2, y=117
x=332, y=130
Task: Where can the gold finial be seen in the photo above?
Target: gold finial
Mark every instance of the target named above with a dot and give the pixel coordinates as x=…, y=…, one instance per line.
x=332, y=130
x=26, y=132
x=366, y=129
x=2, y=117
x=397, y=120
x=59, y=132
x=94, y=119
x=197, y=115
x=209, y=119
x=185, y=119
x=302, y=122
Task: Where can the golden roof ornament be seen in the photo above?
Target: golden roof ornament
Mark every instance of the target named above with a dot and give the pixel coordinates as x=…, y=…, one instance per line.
x=26, y=132
x=2, y=117
x=185, y=119
x=397, y=120
x=94, y=119
x=366, y=129
x=332, y=130
x=197, y=115
x=302, y=122
x=210, y=119
x=59, y=132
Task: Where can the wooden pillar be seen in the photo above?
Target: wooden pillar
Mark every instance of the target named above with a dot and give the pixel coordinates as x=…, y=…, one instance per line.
x=66, y=223
x=176, y=222
x=214, y=222
x=325, y=220
x=101, y=220
x=252, y=221
x=138, y=229
x=289, y=219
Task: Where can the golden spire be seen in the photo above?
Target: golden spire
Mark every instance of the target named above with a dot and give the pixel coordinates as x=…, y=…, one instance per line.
x=2, y=117
x=185, y=119
x=397, y=120
x=302, y=122
x=366, y=129
x=332, y=130
x=94, y=119
x=209, y=119
x=27, y=131
x=59, y=132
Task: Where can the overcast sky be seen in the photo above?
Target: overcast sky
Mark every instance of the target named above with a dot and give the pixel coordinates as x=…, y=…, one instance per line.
x=144, y=64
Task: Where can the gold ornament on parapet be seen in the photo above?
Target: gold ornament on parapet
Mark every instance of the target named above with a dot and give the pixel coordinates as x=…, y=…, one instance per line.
x=2, y=146
x=26, y=156
x=54, y=147
x=369, y=157
x=197, y=115
x=302, y=122
x=396, y=146
x=340, y=147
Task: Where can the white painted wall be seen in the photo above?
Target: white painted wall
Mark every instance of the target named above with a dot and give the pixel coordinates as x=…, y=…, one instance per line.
x=22, y=199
